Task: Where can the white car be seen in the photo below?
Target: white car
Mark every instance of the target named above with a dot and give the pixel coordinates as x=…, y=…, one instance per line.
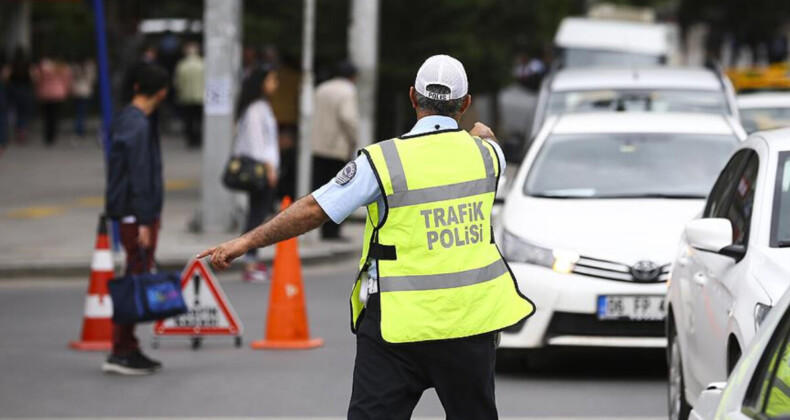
x=758, y=388
x=591, y=221
x=657, y=89
x=764, y=110
x=733, y=264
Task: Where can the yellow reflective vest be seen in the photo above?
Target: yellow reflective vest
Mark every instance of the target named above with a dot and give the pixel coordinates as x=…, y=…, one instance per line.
x=779, y=401
x=440, y=274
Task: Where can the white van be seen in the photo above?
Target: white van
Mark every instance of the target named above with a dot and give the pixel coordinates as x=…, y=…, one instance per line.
x=586, y=42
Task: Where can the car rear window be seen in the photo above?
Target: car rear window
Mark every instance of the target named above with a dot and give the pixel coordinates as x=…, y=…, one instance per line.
x=657, y=100
x=755, y=119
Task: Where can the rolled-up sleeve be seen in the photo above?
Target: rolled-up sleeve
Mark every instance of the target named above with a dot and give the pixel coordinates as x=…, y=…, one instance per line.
x=340, y=200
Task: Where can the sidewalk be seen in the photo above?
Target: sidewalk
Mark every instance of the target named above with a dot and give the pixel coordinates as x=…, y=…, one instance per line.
x=51, y=199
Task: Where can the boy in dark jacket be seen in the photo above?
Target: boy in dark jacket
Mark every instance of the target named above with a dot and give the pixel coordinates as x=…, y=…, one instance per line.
x=134, y=197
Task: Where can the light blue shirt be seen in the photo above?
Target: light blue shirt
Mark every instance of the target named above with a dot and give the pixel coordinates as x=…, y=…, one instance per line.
x=339, y=201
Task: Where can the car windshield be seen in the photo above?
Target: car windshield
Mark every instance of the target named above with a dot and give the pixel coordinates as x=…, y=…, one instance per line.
x=579, y=57
x=781, y=218
x=628, y=165
x=660, y=100
x=754, y=119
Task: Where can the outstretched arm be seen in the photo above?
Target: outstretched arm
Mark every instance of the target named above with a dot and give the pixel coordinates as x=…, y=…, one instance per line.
x=303, y=216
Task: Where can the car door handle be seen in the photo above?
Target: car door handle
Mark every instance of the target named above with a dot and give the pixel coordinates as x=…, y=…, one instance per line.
x=700, y=278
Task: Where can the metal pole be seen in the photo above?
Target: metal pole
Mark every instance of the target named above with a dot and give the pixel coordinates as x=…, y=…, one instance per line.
x=363, y=42
x=105, y=95
x=304, y=164
x=222, y=44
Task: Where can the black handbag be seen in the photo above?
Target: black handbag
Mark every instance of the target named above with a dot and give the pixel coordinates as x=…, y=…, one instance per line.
x=146, y=297
x=243, y=173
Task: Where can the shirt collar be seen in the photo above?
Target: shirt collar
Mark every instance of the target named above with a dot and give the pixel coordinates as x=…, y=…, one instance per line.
x=433, y=123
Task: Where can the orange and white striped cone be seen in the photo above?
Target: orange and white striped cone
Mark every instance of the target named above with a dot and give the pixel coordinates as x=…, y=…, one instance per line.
x=97, y=322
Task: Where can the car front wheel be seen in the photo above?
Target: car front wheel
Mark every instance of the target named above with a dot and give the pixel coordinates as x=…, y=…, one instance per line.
x=679, y=408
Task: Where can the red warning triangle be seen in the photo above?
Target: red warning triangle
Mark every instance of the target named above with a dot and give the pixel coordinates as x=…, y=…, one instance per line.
x=209, y=310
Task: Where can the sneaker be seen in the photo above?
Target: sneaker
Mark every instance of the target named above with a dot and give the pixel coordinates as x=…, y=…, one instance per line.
x=127, y=364
x=154, y=364
x=258, y=274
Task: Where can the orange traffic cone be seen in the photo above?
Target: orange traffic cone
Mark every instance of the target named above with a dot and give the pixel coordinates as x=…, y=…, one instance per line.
x=286, y=322
x=97, y=323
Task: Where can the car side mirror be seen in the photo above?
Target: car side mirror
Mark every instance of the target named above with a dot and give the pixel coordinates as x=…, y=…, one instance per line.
x=714, y=235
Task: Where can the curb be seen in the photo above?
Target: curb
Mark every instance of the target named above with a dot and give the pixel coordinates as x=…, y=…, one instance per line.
x=308, y=256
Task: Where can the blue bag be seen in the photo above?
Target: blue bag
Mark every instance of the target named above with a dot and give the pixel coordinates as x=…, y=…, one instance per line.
x=146, y=297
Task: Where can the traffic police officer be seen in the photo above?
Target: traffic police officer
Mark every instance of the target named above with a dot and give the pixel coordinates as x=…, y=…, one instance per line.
x=432, y=290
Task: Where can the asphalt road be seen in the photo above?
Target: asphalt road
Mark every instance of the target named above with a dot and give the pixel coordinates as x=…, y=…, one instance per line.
x=40, y=377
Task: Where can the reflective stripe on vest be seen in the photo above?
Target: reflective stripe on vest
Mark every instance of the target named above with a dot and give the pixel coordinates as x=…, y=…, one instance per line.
x=406, y=197
x=444, y=281
x=446, y=278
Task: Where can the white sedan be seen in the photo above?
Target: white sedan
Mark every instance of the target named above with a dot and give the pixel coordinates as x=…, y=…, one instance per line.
x=733, y=265
x=591, y=222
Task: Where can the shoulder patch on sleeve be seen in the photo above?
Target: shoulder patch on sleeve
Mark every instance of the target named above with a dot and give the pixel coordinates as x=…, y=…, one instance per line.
x=346, y=174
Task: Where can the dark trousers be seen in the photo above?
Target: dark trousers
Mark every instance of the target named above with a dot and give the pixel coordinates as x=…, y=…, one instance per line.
x=389, y=379
x=123, y=338
x=80, y=114
x=20, y=99
x=51, y=113
x=193, y=124
x=260, y=206
x=324, y=169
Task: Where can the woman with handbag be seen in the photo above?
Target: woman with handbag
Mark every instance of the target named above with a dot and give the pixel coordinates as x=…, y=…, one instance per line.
x=257, y=140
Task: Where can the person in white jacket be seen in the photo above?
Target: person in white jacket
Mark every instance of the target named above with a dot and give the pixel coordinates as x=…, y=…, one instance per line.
x=257, y=138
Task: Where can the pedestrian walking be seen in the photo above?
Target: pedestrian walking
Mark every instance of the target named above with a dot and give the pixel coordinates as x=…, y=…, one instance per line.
x=134, y=197
x=52, y=78
x=432, y=290
x=82, y=88
x=20, y=92
x=334, y=130
x=257, y=138
x=188, y=83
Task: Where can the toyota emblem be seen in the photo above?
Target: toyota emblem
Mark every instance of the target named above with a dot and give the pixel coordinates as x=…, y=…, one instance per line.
x=646, y=271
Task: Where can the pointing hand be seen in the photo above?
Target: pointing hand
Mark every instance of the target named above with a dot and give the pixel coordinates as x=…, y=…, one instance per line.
x=222, y=255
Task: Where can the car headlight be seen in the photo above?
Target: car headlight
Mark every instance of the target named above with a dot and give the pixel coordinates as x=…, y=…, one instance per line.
x=760, y=312
x=517, y=250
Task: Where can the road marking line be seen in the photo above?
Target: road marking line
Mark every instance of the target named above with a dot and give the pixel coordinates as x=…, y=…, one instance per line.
x=180, y=184
x=40, y=212
x=90, y=201
x=35, y=212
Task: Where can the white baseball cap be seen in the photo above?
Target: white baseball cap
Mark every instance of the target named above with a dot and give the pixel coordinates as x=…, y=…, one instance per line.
x=445, y=71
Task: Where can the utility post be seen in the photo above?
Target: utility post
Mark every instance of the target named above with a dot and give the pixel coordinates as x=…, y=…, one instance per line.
x=222, y=46
x=304, y=161
x=15, y=27
x=363, y=43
